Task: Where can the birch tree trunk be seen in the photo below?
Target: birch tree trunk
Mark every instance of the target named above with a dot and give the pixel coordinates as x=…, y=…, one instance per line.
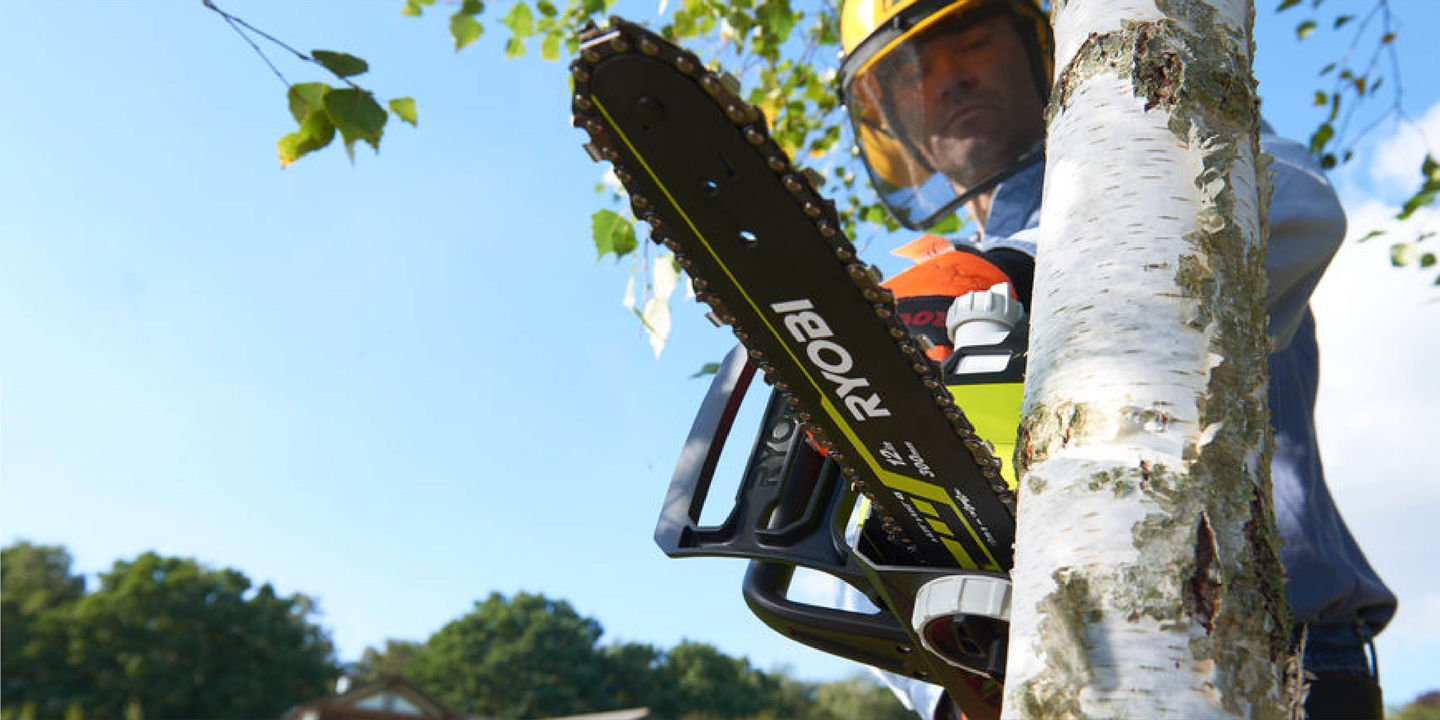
x=1147, y=575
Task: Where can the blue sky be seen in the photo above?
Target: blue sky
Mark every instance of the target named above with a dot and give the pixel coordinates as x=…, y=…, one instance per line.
x=402, y=384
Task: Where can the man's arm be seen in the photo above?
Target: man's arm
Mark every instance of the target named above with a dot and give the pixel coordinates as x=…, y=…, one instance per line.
x=1307, y=225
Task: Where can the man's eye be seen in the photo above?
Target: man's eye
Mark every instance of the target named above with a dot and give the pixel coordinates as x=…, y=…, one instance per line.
x=976, y=41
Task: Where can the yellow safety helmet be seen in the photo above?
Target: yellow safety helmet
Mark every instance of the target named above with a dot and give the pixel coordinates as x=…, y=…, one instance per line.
x=872, y=31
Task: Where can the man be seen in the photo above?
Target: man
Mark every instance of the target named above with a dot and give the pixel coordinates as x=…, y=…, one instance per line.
x=946, y=99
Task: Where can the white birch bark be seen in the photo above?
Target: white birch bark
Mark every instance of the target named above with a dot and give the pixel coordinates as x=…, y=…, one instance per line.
x=1147, y=577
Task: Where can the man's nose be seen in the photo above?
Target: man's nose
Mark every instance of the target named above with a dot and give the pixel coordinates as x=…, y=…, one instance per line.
x=946, y=72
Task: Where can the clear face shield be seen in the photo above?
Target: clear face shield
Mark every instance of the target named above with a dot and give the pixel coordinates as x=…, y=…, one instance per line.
x=945, y=111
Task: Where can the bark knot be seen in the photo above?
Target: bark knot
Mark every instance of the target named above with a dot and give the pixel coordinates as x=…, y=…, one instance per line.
x=1206, y=586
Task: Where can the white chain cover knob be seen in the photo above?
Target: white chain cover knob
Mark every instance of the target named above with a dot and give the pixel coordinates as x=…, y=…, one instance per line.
x=983, y=317
x=980, y=318
x=942, y=599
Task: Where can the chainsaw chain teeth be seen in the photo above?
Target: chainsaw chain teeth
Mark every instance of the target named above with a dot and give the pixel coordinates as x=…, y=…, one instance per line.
x=802, y=183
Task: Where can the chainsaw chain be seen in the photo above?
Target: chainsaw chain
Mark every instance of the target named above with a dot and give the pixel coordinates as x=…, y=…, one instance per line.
x=622, y=37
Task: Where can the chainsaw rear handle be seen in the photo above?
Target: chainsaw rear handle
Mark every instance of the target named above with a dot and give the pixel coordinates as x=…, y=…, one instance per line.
x=875, y=639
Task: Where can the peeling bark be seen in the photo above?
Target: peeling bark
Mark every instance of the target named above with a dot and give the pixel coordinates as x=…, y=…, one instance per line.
x=1147, y=573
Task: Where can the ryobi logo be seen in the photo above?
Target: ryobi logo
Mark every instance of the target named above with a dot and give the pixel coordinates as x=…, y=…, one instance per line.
x=833, y=361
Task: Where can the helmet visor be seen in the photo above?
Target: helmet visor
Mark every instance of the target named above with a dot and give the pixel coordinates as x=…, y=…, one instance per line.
x=931, y=137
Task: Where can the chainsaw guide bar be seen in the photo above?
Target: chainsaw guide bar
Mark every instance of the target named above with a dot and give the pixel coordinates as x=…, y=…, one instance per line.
x=765, y=251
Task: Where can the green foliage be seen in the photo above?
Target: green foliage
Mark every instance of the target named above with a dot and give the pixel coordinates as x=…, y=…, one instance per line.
x=464, y=28
x=357, y=116
x=1353, y=82
x=1425, y=707
x=1406, y=254
x=613, y=233
x=517, y=658
x=342, y=64
x=160, y=637
x=35, y=589
x=394, y=660
x=404, y=108
x=320, y=109
x=530, y=656
x=858, y=697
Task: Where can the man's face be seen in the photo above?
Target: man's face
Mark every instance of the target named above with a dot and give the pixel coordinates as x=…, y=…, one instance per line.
x=967, y=100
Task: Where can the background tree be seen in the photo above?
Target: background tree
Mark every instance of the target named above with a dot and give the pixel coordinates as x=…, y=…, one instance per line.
x=37, y=590
x=521, y=657
x=711, y=684
x=634, y=678
x=858, y=696
x=162, y=637
x=374, y=664
x=1425, y=707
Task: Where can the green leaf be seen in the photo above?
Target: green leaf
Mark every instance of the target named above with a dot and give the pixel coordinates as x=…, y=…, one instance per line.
x=706, y=369
x=306, y=98
x=342, y=64
x=316, y=131
x=1402, y=254
x=1427, y=260
x=1341, y=20
x=1321, y=98
x=1327, y=69
x=1304, y=29
x=514, y=47
x=413, y=8
x=1286, y=5
x=1370, y=235
x=952, y=223
x=1327, y=161
x=550, y=47
x=472, y=7
x=404, y=107
x=1322, y=136
x=546, y=8
x=520, y=21
x=1418, y=200
x=357, y=116
x=777, y=19
x=612, y=234
x=465, y=29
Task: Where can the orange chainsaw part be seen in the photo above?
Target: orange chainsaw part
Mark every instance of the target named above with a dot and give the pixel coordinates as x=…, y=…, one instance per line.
x=924, y=293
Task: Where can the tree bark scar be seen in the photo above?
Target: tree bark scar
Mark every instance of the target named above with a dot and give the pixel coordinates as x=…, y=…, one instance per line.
x=1205, y=587
x=1157, y=67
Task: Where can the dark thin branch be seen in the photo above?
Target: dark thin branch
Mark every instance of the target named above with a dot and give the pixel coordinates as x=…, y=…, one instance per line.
x=231, y=21
x=237, y=23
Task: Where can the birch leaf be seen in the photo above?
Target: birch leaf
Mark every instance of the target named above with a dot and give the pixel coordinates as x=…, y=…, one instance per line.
x=628, y=300
x=657, y=323
x=342, y=64
x=405, y=108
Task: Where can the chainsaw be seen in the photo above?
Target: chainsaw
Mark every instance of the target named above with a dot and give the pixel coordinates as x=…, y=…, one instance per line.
x=865, y=466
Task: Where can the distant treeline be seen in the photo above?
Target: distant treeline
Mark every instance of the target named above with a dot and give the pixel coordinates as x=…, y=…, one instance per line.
x=164, y=637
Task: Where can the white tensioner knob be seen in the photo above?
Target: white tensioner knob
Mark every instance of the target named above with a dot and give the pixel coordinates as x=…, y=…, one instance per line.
x=943, y=599
x=980, y=318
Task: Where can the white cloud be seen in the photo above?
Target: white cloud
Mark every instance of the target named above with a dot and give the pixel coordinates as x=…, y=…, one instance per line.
x=1396, y=163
